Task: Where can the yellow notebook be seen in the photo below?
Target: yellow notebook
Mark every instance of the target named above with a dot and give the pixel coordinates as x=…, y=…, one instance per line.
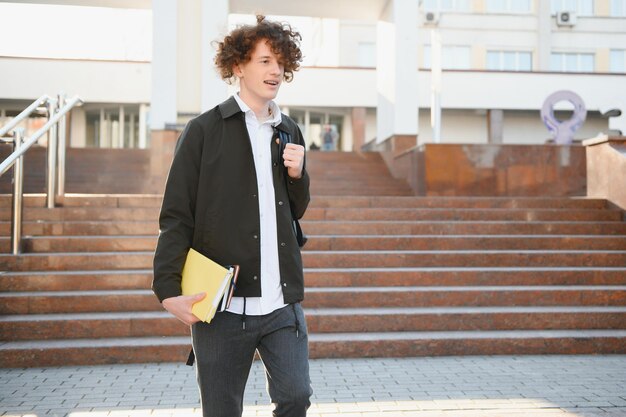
x=201, y=274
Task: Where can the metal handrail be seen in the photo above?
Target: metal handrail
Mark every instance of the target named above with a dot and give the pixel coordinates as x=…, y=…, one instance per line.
x=23, y=115
x=16, y=159
x=8, y=162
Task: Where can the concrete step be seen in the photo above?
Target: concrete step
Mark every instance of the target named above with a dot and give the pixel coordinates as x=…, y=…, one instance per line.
x=336, y=259
x=106, y=280
x=42, y=302
x=437, y=214
x=40, y=244
x=46, y=353
x=326, y=320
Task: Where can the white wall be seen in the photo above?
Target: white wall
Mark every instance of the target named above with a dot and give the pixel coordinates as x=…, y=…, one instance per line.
x=93, y=81
x=188, y=46
x=526, y=127
x=336, y=87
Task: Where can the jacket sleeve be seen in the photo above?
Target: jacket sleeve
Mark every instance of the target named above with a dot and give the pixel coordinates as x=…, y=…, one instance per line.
x=177, y=217
x=299, y=196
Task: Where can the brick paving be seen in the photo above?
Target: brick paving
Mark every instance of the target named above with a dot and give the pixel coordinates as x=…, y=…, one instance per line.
x=470, y=386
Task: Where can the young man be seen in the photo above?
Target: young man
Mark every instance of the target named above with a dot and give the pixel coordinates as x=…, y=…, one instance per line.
x=232, y=196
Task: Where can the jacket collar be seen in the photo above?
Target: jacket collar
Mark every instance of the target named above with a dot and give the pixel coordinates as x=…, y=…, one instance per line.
x=230, y=107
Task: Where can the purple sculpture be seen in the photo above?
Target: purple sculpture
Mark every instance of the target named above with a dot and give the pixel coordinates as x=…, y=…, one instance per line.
x=563, y=131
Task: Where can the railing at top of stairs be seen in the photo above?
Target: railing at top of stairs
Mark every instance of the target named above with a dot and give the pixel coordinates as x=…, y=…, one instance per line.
x=56, y=127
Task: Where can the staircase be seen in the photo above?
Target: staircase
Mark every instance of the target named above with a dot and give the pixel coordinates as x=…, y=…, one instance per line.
x=387, y=274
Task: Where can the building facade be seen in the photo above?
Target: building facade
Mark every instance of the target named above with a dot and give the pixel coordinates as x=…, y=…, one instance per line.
x=367, y=70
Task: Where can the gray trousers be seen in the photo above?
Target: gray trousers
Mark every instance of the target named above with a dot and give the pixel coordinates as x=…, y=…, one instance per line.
x=225, y=350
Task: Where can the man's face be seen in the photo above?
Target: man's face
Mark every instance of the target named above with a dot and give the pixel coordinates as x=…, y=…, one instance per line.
x=260, y=78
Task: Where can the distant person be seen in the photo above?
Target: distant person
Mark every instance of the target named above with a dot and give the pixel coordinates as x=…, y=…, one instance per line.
x=327, y=139
x=231, y=196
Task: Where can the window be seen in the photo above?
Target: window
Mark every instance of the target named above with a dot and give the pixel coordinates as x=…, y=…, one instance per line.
x=618, y=60
x=452, y=57
x=571, y=62
x=618, y=8
x=509, y=60
x=581, y=7
x=508, y=6
x=446, y=5
x=367, y=54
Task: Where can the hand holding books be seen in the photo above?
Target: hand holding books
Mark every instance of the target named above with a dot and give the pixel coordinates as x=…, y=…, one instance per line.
x=202, y=275
x=181, y=306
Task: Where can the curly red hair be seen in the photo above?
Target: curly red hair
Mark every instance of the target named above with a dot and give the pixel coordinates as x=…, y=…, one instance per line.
x=237, y=46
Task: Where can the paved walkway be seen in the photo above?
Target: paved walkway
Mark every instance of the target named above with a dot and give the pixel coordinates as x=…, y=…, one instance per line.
x=475, y=386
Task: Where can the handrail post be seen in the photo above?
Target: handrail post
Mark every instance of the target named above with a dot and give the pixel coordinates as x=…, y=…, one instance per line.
x=62, y=138
x=18, y=195
x=52, y=154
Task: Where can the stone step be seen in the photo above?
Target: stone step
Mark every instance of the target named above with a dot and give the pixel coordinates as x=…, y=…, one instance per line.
x=41, y=244
x=76, y=352
x=371, y=259
x=154, y=201
x=86, y=213
x=346, y=227
x=89, y=200
x=41, y=302
x=336, y=259
x=82, y=228
x=402, y=214
x=457, y=202
x=113, y=243
x=517, y=342
x=360, y=189
x=462, y=228
x=465, y=242
x=326, y=320
x=105, y=280
x=330, y=320
x=362, y=213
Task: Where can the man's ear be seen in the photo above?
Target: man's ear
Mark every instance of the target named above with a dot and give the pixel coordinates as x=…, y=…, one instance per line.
x=237, y=71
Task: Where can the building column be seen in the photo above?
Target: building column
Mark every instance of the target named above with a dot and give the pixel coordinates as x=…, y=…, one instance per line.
x=214, y=27
x=163, y=101
x=396, y=71
x=143, y=126
x=359, y=115
x=122, y=134
x=495, y=120
x=544, y=40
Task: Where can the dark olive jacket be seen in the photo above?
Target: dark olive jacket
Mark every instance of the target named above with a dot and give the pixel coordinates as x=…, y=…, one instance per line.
x=211, y=204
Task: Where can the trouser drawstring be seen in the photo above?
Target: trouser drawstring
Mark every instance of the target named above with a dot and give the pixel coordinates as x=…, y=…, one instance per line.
x=243, y=316
x=293, y=306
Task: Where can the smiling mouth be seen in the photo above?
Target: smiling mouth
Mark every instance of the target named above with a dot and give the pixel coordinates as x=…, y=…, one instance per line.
x=274, y=83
